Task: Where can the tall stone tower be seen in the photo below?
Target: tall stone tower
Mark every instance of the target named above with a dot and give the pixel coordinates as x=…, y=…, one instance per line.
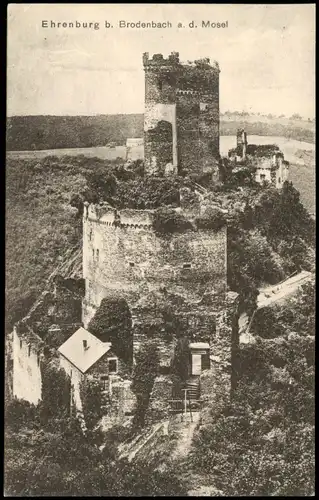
x=181, y=119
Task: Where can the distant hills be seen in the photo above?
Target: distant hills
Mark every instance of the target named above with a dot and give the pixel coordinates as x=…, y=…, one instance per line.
x=25, y=133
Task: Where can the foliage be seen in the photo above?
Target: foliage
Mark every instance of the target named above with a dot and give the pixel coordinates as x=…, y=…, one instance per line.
x=56, y=394
x=298, y=315
x=262, y=150
x=211, y=219
x=144, y=374
x=167, y=221
x=19, y=414
x=263, y=443
x=268, y=239
x=66, y=463
x=91, y=398
x=181, y=359
x=112, y=322
x=37, y=200
x=281, y=216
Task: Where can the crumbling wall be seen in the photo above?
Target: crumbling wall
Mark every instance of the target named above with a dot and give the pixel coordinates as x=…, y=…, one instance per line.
x=193, y=139
x=159, y=406
x=160, y=114
x=218, y=383
x=26, y=354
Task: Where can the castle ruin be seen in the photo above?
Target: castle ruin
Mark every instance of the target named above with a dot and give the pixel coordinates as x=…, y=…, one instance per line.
x=181, y=119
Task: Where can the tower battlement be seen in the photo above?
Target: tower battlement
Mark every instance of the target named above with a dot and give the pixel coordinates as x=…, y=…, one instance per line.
x=158, y=60
x=106, y=215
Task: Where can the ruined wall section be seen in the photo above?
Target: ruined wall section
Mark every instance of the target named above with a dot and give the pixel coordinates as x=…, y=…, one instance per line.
x=188, y=131
x=122, y=255
x=160, y=139
x=219, y=383
x=181, y=120
x=198, y=117
x=26, y=354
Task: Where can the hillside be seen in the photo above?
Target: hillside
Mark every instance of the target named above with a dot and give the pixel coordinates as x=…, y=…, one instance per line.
x=43, y=222
x=53, y=132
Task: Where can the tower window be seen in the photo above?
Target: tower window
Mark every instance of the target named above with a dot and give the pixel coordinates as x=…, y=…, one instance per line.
x=279, y=180
x=97, y=254
x=262, y=177
x=93, y=253
x=132, y=264
x=160, y=85
x=38, y=358
x=20, y=344
x=187, y=266
x=29, y=350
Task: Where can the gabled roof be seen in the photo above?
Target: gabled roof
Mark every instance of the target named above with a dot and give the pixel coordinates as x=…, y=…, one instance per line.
x=83, y=358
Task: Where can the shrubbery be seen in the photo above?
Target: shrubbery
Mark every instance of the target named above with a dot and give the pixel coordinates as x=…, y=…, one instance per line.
x=112, y=322
x=167, y=221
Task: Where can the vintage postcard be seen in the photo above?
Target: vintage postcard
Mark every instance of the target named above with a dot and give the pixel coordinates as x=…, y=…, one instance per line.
x=160, y=250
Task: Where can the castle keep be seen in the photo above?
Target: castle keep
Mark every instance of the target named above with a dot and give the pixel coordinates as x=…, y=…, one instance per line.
x=181, y=119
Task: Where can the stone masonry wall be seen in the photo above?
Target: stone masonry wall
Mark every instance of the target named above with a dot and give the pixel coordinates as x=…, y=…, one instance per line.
x=218, y=383
x=27, y=380
x=194, y=131
x=121, y=258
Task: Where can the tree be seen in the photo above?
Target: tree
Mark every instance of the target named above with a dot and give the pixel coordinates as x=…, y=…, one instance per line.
x=76, y=201
x=167, y=221
x=112, y=322
x=145, y=372
x=56, y=394
x=211, y=219
x=91, y=398
x=181, y=359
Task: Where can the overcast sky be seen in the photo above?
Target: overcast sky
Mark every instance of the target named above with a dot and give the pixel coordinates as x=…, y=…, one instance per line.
x=266, y=56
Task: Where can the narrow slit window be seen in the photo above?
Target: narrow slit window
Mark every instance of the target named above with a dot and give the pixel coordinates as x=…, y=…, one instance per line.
x=20, y=344
x=38, y=358
x=160, y=85
x=97, y=254
x=90, y=235
x=29, y=350
x=93, y=253
x=279, y=180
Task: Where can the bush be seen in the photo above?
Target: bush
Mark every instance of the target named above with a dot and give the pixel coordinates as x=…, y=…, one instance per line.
x=112, y=322
x=212, y=219
x=19, y=414
x=91, y=398
x=181, y=360
x=56, y=394
x=167, y=221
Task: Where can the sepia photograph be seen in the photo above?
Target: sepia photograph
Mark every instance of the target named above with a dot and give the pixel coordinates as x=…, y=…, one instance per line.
x=160, y=250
